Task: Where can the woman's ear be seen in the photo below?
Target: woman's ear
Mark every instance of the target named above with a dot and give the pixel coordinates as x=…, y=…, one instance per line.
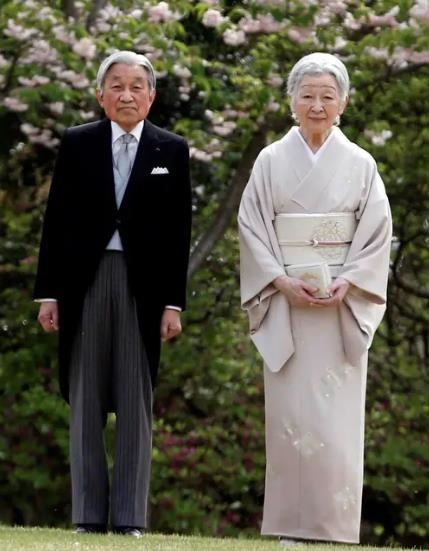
x=343, y=105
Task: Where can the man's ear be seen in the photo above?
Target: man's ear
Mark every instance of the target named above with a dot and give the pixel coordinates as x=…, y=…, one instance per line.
x=152, y=96
x=99, y=96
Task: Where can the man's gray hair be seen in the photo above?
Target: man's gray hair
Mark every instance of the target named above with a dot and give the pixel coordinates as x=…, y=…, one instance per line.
x=319, y=63
x=129, y=58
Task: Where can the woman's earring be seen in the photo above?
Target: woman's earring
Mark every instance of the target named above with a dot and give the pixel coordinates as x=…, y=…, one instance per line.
x=337, y=120
x=295, y=118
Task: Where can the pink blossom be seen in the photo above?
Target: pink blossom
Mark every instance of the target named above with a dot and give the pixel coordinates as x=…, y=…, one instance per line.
x=275, y=81
x=15, y=104
x=181, y=72
x=420, y=10
x=77, y=80
x=386, y=20
x=161, y=13
x=136, y=14
x=160, y=74
x=40, y=52
x=212, y=18
x=339, y=43
x=419, y=57
x=86, y=48
x=378, y=138
x=400, y=57
x=233, y=37
x=36, y=80
x=351, y=23
x=273, y=106
x=224, y=129
x=184, y=92
x=377, y=53
x=109, y=12
x=56, y=107
x=3, y=62
x=269, y=24
x=45, y=14
x=300, y=34
x=29, y=129
x=336, y=6
x=230, y=113
x=63, y=35
x=86, y=115
x=323, y=18
x=18, y=31
x=249, y=25
x=204, y=157
x=103, y=27
x=281, y=2
x=44, y=138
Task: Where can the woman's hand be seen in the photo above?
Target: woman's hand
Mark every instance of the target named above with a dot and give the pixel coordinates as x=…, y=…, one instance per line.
x=337, y=290
x=300, y=293
x=297, y=292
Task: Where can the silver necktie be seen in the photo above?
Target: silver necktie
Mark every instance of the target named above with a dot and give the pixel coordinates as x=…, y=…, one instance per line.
x=122, y=168
x=123, y=159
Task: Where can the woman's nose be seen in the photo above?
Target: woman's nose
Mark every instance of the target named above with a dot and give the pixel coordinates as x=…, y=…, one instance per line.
x=317, y=105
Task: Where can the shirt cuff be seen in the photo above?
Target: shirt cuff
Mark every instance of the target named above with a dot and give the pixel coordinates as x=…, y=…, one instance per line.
x=177, y=308
x=45, y=300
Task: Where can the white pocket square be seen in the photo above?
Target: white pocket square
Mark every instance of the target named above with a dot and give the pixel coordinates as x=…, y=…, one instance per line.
x=160, y=170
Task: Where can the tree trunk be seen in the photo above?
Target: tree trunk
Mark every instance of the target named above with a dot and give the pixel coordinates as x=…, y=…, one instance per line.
x=231, y=199
x=96, y=7
x=69, y=8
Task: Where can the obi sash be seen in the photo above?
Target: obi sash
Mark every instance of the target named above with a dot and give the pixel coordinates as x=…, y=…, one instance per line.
x=315, y=238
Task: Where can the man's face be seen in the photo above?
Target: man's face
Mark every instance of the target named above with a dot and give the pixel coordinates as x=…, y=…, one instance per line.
x=126, y=97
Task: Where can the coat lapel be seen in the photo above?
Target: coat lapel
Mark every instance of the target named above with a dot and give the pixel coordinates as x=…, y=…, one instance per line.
x=104, y=160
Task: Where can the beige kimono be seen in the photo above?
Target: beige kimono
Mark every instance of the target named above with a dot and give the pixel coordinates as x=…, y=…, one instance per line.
x=315, y=359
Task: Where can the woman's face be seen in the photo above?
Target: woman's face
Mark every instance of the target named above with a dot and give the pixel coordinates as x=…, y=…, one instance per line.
x=317, y=103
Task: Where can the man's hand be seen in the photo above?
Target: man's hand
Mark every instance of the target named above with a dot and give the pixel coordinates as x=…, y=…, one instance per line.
x=48, y=316
x=170, y=324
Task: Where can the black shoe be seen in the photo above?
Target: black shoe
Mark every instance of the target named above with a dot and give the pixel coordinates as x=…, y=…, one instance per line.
x=132, y=531
x=90, y=529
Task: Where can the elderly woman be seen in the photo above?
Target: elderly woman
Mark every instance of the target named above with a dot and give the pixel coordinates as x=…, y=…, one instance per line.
x=315, y=231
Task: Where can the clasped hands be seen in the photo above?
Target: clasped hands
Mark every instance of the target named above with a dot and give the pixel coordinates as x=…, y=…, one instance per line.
x=300, y=293
x=170, y=322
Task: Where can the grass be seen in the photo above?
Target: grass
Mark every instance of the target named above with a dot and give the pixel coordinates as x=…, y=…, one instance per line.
x=49, y=539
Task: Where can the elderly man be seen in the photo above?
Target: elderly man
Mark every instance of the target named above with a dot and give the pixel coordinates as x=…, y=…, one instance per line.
x=111, y=278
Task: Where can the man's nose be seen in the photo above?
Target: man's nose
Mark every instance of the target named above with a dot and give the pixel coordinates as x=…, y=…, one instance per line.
x=126, y=95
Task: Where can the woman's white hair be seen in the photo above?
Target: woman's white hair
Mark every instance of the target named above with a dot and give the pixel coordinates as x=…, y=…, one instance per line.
x=319, y=63
x=129, y=58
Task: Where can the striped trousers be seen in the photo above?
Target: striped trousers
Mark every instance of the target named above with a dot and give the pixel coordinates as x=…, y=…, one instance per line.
x=109, y=371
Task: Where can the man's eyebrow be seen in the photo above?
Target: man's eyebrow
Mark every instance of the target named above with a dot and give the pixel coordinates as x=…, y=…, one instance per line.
x=318, y=86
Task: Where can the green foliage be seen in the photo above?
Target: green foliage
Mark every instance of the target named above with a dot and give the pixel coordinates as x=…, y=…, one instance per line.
x=221, y=79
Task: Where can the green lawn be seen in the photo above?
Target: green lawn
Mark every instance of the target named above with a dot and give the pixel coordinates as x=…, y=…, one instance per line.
x=45, y=539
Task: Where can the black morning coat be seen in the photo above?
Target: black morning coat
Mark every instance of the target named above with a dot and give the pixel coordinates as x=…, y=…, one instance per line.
x=154, y=223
